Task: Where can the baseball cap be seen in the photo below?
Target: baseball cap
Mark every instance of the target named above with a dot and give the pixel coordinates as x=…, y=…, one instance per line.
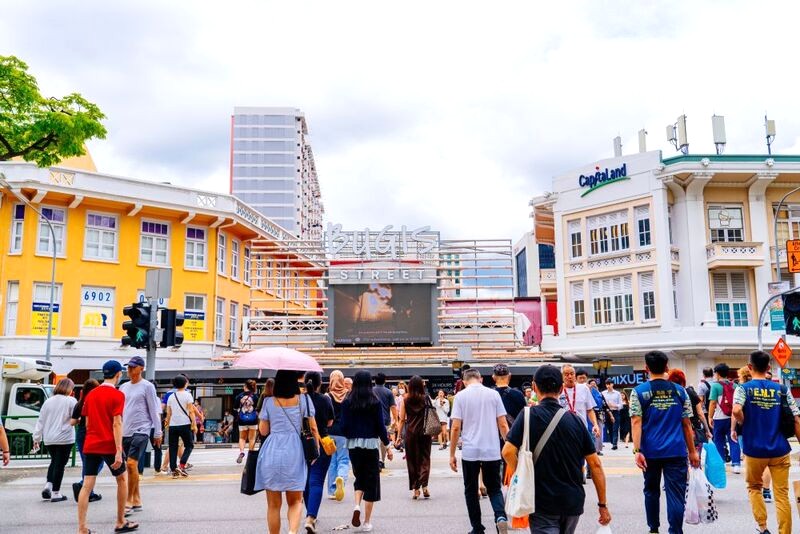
x=111, y=368
x=500, y=369
x=136, y=361
x=548, y=377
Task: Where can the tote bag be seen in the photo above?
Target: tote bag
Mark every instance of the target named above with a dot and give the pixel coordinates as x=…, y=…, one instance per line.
x=249, y=474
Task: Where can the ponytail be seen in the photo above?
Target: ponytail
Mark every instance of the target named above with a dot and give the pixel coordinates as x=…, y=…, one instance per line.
x=313, y=381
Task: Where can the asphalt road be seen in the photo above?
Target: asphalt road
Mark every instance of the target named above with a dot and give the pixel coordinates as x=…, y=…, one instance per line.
x=209, y=502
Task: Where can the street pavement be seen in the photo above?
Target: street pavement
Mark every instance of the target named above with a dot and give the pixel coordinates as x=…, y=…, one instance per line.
x=209, y=501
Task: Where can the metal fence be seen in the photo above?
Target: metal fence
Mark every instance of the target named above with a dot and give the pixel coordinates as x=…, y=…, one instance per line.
x=20, y=442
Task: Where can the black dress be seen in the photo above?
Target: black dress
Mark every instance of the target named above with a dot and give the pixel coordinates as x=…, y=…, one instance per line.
x=624, y=421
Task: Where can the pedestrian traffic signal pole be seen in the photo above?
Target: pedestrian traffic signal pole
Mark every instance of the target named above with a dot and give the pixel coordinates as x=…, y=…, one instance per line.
x=790, y=322
x=155, y=334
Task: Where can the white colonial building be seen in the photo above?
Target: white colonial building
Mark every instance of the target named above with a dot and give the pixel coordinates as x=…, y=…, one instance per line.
x=671, y=254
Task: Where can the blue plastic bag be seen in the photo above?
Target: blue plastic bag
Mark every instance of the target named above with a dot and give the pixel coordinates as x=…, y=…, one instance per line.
x=715, y=467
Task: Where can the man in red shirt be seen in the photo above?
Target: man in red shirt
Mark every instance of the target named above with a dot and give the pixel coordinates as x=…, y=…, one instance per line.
x=102, y=409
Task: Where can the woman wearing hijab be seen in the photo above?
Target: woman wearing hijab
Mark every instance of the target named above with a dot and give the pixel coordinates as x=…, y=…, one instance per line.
x=340, y=461
x=418, y=444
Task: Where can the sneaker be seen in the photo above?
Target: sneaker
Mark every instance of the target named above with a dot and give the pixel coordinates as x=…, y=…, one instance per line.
x=767, y=495
x=46, y=494
x=240, y=458
x=94, y=497
x=614, y=448
x=331, y=497
x=182, y=471
x=367, y=527
x=736, y=469
x=76, y=490
x=188, y=466
x=382, y=465
x=59, y=498
x=759, y=531
x=339, y=493
x=502, y=525
x=310, y=526
x=356, y=519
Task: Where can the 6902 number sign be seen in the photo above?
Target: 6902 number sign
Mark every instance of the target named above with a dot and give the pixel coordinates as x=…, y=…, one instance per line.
x=97, y=296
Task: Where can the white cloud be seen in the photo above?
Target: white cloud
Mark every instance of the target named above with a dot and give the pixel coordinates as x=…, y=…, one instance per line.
x=445, y=113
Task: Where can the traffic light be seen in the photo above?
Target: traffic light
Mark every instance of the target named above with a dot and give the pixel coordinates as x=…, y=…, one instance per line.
x=138, y=328
x=791, y=313
x=170, y=321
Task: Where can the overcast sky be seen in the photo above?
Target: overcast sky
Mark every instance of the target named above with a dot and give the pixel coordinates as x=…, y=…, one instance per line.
x=448, y=114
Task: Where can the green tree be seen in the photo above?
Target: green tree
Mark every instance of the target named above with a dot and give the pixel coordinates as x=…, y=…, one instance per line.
x=39, y=129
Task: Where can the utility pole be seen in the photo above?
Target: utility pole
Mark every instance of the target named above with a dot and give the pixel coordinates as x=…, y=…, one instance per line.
x=155, y=338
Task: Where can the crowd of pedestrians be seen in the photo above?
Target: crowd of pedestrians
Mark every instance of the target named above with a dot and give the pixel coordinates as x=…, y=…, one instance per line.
x=313, y=434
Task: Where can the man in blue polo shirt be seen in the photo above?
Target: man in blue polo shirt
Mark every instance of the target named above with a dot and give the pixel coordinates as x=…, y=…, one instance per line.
x=757, y=407
x=662, y=437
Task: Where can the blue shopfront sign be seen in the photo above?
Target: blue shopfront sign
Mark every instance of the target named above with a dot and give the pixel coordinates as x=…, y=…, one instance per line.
x=602, y=177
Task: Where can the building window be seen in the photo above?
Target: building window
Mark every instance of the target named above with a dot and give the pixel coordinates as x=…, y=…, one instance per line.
x=669, y=224
x=730, y=298
x=269, y=276
x=247, y=266
x=608, y=233
x=234, y=259
x=194, y=303
x=12, y=307
x=259, y=272
x=642, y=214
x=612, y=300
x=675, y=292
x=578, y=306
x=222, y=253
x=245, y=313
x=234, y=324
x=726, y=224
x=195, y=248
x=58, y=219
x=648, y=294
x=575, y=239
x=101, y=237
x=154, y=247
x=522, y=273
x=17, y=225
x=219, y=321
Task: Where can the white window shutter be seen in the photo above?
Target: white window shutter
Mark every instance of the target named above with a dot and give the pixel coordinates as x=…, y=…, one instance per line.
x=646, y=282
x=642, y=212
x=738, y=286
x=720, y=284
x=577, y=290
x=574, y=226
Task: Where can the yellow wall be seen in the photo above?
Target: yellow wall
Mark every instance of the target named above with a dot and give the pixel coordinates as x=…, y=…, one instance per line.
x=126, y=275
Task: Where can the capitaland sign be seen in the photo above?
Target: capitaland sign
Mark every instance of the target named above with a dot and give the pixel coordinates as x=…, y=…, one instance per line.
x=602, y=177
x=385, y=244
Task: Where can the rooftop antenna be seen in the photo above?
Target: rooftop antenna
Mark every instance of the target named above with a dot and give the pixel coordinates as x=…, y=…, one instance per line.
x=642, y=140
x=676, y=134
x=618, y=147
x=718, y=126
x=769, y=126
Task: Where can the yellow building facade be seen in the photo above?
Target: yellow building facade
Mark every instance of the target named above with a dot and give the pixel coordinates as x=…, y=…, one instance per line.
x=108, y=232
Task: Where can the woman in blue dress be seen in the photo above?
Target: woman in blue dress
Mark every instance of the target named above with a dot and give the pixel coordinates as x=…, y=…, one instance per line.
x=281, y=464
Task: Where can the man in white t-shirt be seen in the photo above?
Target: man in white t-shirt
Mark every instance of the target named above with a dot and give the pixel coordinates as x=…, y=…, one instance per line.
x=578, y=399
x=478, y=411
x=182, y=426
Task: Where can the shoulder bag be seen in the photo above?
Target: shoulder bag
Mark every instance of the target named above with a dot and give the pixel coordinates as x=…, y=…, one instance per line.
x=307, y=439
x=521, y=498
x=432, y=425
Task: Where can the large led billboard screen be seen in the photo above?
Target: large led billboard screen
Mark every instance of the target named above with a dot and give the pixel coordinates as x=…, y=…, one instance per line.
x=382, y=314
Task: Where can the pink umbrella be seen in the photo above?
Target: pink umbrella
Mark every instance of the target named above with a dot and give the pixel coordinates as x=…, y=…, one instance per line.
x=277, y=358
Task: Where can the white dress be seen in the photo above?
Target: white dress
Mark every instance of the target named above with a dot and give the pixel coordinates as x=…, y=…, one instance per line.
x=442, y=409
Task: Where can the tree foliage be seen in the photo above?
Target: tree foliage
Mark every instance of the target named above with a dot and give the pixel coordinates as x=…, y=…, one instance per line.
x=39, y=129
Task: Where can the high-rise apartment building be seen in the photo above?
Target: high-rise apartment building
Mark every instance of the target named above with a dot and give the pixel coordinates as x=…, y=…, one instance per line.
x=272, y=168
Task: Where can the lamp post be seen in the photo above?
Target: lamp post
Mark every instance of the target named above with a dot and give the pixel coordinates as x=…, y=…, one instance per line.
x=5, y=185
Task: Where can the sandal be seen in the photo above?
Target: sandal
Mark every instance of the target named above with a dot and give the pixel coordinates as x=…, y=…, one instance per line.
x=127, y=527
x=416, y=495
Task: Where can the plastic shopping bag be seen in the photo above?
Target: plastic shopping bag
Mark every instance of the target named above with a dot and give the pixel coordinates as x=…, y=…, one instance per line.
x=700, y=506
x=714, y=467
x=605, y=529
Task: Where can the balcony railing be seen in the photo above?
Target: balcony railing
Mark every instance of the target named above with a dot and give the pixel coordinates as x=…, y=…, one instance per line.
x=740, y=254
x=547, y=277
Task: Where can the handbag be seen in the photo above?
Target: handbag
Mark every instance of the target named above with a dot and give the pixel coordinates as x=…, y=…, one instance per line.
x=521, y=498
x=307, y=439
x=432, y=426
x=249, y=474
x=714, y=467
x=787, y=417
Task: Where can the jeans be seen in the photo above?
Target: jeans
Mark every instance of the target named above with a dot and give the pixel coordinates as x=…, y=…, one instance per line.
x=183, y=432
x=491, y=479
x=722, y=434
x=59, y=456
x=315, y=482
x=675, y=472
x=612, y=429
x=553, y=524
x=340, y=463
x=779, y=469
